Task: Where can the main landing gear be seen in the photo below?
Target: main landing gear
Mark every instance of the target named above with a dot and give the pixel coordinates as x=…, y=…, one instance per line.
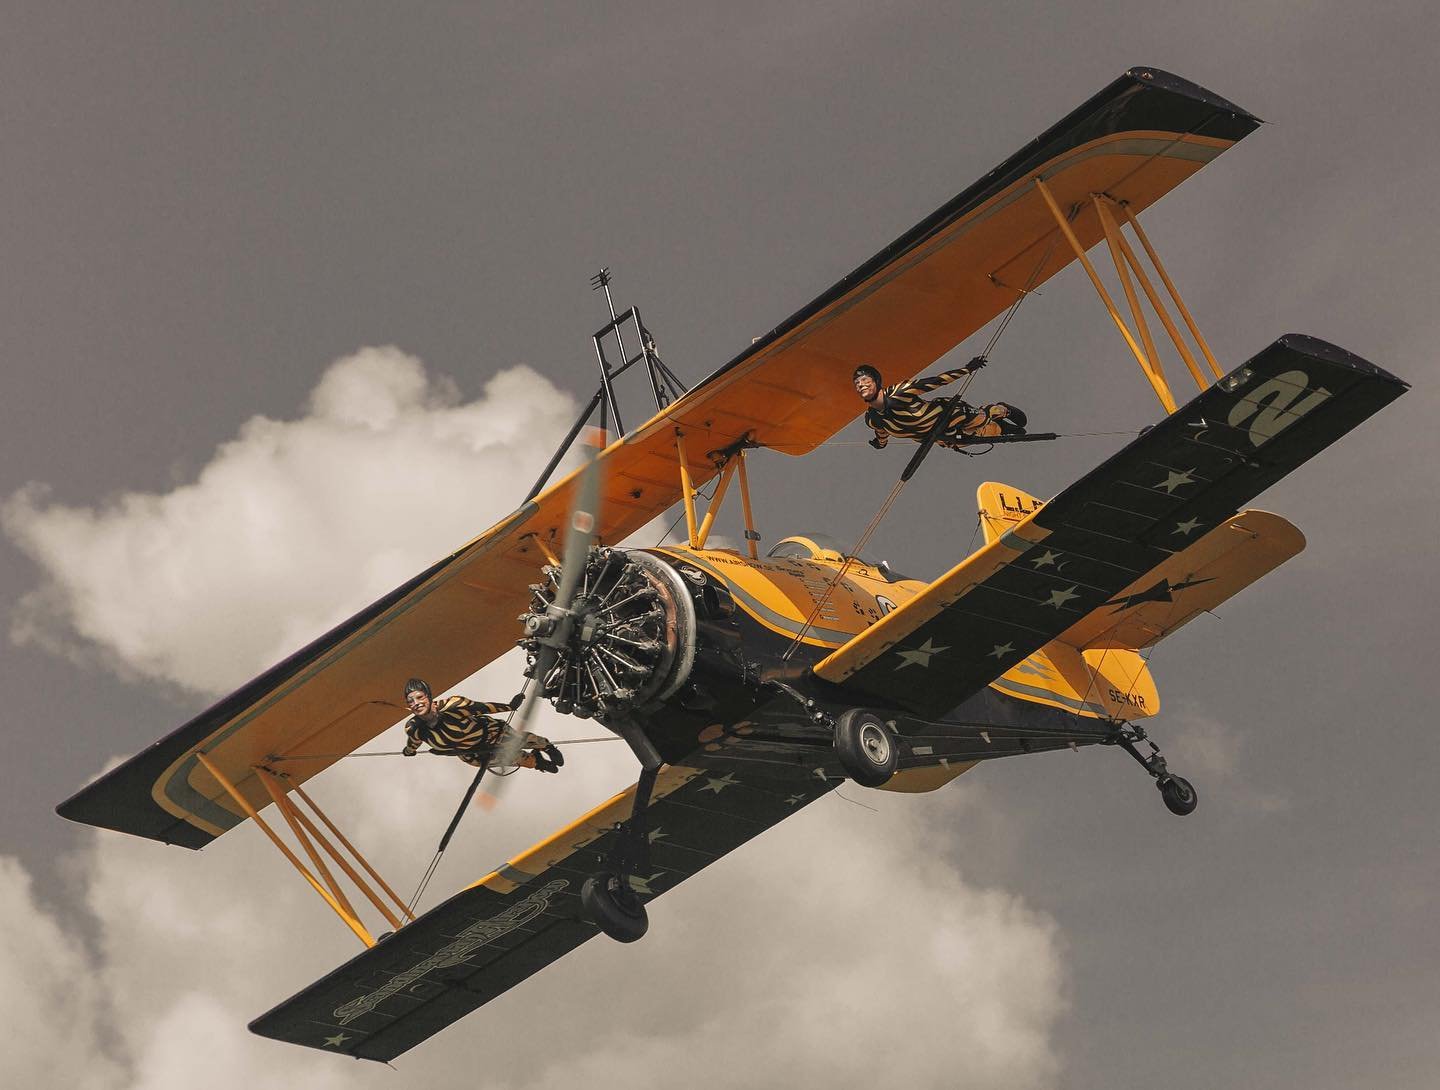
x=866, y=748
x=609, y=900
x=1176, y=791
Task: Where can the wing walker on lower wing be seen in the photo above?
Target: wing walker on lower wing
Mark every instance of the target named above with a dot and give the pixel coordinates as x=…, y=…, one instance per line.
x=749, y=686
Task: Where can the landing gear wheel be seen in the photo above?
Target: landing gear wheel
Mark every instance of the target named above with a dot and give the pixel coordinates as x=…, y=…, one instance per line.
x=1179, y=796
x=866, y=748
x=611, y=905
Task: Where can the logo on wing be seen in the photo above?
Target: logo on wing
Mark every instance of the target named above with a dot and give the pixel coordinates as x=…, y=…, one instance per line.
x=478, y=934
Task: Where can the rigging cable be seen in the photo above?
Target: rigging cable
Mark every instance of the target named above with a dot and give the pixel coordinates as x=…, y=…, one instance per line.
x=464, y=805
x=275, y=757
x=956, y=399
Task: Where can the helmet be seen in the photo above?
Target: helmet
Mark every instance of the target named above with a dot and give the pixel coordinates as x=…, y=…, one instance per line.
x=866, y=369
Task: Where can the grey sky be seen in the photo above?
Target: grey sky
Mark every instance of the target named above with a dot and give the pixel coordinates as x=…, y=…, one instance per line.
x=203, y=207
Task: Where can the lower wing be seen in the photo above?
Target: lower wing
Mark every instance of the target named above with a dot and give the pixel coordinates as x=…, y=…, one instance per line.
x=517, y=920
x=1109, y=534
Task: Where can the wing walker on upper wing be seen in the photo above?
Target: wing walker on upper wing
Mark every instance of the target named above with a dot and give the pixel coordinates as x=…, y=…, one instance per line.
x=749, y=686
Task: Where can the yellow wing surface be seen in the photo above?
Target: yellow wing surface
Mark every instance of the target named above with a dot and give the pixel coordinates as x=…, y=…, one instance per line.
x=1134, y=548
x=1215, y=568
x=903, y=309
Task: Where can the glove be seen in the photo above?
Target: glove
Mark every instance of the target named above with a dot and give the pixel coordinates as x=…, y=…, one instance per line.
x=409, y=751
x=975, y=364
x=516, y=701
x=878, y=443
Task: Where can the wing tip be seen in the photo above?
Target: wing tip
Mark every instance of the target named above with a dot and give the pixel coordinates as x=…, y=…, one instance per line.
x=1149, y=76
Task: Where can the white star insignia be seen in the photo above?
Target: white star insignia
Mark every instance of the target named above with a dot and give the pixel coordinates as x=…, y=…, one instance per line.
x=1175, y=480
x=1045, y=560
x=1187, y=527
x=642, y=885
x=336, y=1041
x=718, y=784
x=1059, y=597
x=657, y=834
x=1001, y=650
x=920, y=656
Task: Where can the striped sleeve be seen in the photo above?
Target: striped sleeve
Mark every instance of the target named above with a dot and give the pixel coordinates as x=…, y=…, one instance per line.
x=934, y=382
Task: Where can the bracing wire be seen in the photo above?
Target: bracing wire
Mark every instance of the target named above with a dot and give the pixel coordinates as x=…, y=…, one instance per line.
x=275, y=758
x=899, y=486
x=424, y=881
x=676, y=521
x=1061, y=435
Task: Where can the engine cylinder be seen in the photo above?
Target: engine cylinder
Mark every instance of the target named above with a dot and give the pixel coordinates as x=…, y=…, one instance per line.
x=631, y=635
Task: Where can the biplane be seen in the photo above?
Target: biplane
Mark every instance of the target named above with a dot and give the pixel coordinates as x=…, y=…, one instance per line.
x=748, y=686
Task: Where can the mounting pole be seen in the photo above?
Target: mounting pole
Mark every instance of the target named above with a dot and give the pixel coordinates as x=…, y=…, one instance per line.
x=602, y=280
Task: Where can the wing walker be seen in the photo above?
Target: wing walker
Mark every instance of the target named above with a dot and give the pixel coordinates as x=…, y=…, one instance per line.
x=747, y=685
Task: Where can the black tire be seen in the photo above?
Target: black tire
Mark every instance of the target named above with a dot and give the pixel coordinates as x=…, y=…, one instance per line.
x=611, y=905
x=866, y=748
x=1179, y=795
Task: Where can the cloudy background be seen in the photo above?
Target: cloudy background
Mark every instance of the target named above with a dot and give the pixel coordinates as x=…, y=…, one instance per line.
x=295, y=300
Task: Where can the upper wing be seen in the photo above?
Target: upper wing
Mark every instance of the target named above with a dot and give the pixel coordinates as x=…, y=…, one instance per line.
x=520, y=918
x=1111, y=532
x=790, y=390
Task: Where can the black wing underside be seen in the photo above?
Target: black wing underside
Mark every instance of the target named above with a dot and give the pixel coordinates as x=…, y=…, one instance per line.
x=486, y=939
x=1166, y=489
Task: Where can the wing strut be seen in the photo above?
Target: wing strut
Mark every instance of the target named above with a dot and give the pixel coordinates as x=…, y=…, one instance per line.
x=313, y=841
x=1127, y=263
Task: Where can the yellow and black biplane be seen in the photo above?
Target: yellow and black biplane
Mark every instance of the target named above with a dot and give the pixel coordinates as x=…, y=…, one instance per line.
x=749, y=686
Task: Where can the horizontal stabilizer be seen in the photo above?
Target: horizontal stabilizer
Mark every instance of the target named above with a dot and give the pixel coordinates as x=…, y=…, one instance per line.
x=1074, y=555
x=1217, y=567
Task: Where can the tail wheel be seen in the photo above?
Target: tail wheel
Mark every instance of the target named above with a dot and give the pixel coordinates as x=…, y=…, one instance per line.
x=611, y=905
x=1179, y=795
x=867, y=750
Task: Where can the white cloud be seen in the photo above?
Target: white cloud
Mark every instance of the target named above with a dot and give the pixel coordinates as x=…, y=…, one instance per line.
x=292, y=525
x=51, y=1005
x=1211, y=752
x=837, y=950
x=833, y=951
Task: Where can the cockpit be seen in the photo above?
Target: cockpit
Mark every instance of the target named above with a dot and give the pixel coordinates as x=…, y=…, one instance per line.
x=827, y=550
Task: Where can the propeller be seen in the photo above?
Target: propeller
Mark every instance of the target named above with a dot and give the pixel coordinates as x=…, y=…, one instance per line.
x=553, y=629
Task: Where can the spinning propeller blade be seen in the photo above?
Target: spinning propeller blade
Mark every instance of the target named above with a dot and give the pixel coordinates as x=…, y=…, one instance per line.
x=584, y=517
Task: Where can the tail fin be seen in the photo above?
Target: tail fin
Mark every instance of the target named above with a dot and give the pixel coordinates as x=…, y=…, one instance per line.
x=1002, y=507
